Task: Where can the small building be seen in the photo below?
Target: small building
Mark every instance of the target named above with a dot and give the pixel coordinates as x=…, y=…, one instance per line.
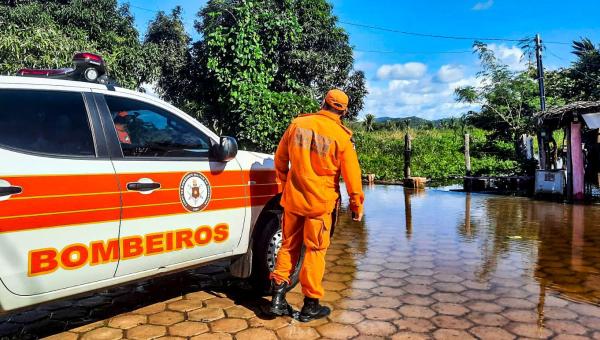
x=580, y=122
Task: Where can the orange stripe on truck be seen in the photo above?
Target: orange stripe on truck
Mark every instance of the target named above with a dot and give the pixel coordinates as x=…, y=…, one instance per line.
x=66, y=200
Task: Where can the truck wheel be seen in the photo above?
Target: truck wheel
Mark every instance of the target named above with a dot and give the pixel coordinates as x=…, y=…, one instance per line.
x=266, y=246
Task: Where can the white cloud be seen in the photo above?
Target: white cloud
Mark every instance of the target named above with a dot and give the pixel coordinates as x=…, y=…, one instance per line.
x=450, y=73
x=511, y=56
x=426, y=96
x=483, y=5
x=411, y=70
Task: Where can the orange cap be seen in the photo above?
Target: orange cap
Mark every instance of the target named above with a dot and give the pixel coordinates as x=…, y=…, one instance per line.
x=337, y=99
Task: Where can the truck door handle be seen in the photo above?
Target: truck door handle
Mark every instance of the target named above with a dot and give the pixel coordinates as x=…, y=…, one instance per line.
x=12, y=190
x=143, y=187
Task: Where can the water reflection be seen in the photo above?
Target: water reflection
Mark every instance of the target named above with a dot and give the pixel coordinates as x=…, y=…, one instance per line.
x=509, y=250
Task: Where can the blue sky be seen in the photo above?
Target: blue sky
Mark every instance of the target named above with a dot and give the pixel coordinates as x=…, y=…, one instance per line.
x=407, y=75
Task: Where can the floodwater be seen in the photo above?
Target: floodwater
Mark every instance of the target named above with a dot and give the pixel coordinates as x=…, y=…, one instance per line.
x=423, y=264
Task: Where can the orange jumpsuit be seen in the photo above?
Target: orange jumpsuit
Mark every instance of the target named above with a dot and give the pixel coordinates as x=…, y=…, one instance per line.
x=319, y=149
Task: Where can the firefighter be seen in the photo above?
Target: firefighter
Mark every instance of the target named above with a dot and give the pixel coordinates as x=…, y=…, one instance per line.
x=312, y=154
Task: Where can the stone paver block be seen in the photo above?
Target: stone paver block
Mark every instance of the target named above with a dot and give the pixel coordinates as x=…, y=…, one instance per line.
x=188, y=328
x=185, y=305
x=363, y=284
x=491, y=333
x=410, y=336
x=294, y=332
x=200, y=295
x=487, y=319
x=219, y=303
x=378, y=313
x=414, y=325
x=449, y=297
x=382, y=301
x=103, y=333
x=256, y=334
x=337, y=331
x=274, y=323
x=449, y=309
x=127, y=321
x=529, y=330
x=228, y=325
x=212, y=336
x=447, y=334
x=240, y=312
x=151, y=309
x=166, y=318
x=206, y=314
x=418, y=289
x=447, y=321
x=519, y=315
x=376, y=328
x=570, y=337
x=565, y=326
x=146, y=332
x=484, y=306
x=346, y=317
x=412, y=311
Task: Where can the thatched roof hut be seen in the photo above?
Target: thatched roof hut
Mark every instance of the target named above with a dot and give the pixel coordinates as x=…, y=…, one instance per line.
x=559, y=116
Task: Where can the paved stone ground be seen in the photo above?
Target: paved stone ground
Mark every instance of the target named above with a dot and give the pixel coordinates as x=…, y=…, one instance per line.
x=409, y=285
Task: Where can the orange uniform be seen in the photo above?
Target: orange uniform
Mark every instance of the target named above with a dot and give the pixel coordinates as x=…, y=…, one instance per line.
x=319, y=149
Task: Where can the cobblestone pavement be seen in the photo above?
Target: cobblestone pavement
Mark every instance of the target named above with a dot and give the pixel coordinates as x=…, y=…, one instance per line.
x=473, y=267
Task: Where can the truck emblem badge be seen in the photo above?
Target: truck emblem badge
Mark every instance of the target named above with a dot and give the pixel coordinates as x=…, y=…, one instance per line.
x=194, y=191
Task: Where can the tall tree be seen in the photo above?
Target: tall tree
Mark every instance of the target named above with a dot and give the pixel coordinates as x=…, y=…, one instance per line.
x=45, y=34
x=585, y=71
x=507, y=98
x=167, y=34
x=265, y=61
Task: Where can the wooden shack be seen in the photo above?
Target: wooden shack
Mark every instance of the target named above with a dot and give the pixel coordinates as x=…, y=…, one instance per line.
x=580, y=122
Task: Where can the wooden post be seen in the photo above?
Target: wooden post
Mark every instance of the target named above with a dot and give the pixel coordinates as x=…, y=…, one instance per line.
x=407, y=155
x=408, y=212
x=467, y=155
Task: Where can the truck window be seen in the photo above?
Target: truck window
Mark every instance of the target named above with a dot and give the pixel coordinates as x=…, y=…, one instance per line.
x=49, y=122
x=145, y=130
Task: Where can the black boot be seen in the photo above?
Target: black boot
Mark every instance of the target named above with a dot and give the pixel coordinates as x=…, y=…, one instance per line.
x=312, y=310
x=279, y=305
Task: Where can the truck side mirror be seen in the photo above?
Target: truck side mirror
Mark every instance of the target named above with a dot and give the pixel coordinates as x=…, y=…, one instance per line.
x=226, y=150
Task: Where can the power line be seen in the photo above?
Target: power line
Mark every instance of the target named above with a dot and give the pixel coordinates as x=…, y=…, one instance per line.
x=430, y=35
x=453, y=37
x=412, y=53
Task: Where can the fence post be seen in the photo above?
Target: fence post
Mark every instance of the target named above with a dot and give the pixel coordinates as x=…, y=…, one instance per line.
x=467, y=155
x=407, y=155
x=468, y=181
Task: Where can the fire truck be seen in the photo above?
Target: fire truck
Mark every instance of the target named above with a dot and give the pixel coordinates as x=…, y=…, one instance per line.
x=100, y=185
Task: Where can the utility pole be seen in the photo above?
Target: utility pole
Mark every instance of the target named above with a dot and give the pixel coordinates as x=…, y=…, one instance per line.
x=541, y=134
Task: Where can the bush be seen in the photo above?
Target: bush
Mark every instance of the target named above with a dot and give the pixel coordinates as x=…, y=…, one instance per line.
x=437, y=154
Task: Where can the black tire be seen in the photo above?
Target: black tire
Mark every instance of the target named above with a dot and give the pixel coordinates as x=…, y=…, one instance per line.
x=267, y=242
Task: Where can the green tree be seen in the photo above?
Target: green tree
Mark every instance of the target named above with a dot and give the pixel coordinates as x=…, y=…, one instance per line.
x=166, y=33
x=585, y=71
x=369, y=121
x=507, y=98
x=264, y=62
x=45, y=34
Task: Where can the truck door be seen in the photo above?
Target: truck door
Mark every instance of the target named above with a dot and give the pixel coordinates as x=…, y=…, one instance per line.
x=178, y=206
x=58, y=191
